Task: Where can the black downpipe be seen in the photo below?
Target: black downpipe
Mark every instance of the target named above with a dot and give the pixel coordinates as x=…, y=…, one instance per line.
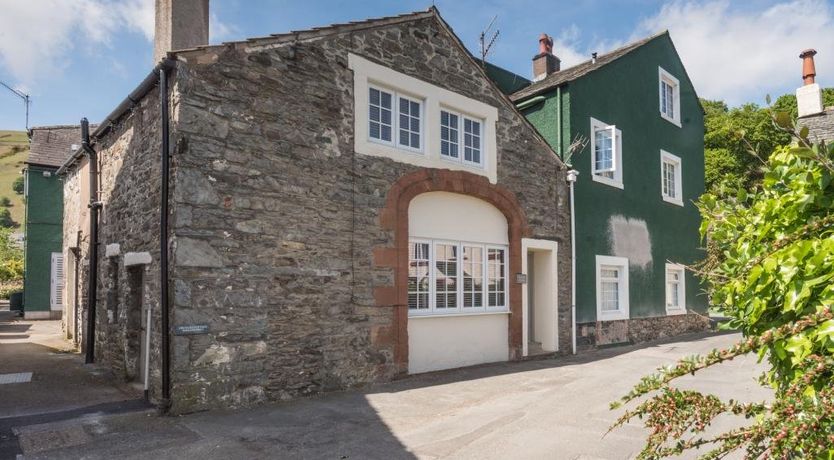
x=163, y=244
x=90, y=342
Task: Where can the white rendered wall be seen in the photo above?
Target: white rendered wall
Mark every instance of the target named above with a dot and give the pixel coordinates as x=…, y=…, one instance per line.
x=446, y=342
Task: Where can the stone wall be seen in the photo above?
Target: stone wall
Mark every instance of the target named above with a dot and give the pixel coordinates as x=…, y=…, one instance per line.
x=638, y=330
x=75, y=235
x=276, y=219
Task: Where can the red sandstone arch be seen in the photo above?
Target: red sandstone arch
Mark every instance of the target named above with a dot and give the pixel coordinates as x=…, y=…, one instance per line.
x=394, y=217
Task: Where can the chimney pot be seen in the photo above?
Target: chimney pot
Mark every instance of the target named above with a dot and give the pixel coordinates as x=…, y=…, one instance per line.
x=545, y=63
x=809, y=70
x=180, y=24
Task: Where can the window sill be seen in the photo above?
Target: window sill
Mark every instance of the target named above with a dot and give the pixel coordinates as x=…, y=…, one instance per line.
x=463, y=163
x=606, y=181
x=616, y=316
x=673, y=201
x=450, y=315
x=676, y=311
x=671, y=120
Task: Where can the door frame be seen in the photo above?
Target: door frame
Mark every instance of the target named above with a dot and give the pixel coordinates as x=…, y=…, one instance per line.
x=544, y=246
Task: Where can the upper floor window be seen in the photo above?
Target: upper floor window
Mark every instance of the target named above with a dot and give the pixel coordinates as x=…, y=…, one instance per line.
x=453, y=139
x=382, y=125
x=606, y=158
x=669, y=97
x=412, y=121
x=670, y=178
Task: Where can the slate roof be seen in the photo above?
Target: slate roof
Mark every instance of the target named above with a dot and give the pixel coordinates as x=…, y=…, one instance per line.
x=50, y=145
x=820, y=126
x=572, y=73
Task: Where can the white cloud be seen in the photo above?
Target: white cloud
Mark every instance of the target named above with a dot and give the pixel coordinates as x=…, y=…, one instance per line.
x=37, y=37
x=741, y=55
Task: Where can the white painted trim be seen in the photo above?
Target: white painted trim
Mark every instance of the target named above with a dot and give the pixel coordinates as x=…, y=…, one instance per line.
x=622, y=313
x=666, y=157
x=57, y=272
x=528, y=244
x=455, y=315
x=663, y=75
x=617, y=181
x=681, y=310
x=137, y=258
x=434, y=97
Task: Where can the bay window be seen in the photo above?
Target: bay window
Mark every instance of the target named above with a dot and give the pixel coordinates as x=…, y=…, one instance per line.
x=453, y=277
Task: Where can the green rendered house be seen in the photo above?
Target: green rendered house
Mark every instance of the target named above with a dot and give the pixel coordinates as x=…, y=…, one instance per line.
x=640, y=170
x=43, y=291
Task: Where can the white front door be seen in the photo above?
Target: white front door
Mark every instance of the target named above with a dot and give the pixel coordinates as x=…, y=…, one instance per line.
x=56, y=282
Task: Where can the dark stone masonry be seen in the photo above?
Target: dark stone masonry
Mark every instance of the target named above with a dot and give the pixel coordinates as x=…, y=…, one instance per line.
x=277, y=239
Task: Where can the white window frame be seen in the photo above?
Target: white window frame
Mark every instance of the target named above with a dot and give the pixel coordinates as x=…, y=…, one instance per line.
x=462, y=117
x=668, y=158
x=460, y=309
x=622, y=264
x=395, y=119
x=422, y=134
x=617, y=153
x=681, y=271
x=666, y=77
x=367, y=73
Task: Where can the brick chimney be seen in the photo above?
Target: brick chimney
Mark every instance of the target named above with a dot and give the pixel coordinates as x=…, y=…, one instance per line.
x=545, y=63
x=180, y=24
x=809, y=95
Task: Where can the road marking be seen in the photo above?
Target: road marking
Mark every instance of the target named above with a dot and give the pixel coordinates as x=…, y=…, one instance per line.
x=22, y=377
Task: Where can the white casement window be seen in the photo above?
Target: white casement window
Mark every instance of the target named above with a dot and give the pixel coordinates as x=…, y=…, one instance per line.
x=671, y=186
x=612, y=288
x=452, y=277
x=670, y=96
x=675, y=290
x=405, y=130
x=606, y=153
x=453, y=139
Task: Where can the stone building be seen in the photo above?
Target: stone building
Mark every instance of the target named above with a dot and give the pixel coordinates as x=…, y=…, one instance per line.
x=347, y=204
x=811, y=111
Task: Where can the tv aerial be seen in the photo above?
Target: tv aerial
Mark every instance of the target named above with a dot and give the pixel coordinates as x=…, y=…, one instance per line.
x=487, y=43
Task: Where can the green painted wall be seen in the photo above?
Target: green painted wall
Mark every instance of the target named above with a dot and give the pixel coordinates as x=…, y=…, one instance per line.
x=44, y=215
x=625, y=93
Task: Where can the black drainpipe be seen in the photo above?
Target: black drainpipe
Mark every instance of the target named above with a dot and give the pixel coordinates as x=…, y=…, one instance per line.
x=163, y=243
x=94, y=205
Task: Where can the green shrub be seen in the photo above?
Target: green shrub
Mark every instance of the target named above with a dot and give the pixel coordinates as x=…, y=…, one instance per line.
x=6, y=220
x=5, y=202
x=17, y=185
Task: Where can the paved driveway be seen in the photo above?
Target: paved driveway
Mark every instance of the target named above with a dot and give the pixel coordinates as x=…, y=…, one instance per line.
x=537, y=409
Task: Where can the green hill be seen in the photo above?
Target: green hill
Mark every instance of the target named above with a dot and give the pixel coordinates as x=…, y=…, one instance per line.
x=14, y=149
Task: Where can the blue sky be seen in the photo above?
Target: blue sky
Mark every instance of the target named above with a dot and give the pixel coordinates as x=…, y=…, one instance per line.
x=82, y=57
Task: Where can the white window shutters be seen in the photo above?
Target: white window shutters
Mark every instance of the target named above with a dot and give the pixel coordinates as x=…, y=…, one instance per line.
x=56, y=282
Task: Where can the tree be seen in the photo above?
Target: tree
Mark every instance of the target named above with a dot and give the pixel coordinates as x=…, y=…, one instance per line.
x=17, y=185
x=787, y=102
x=11, y=257
x=776, y=283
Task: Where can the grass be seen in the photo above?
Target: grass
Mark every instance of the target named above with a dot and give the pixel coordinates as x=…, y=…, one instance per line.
x=11, y=163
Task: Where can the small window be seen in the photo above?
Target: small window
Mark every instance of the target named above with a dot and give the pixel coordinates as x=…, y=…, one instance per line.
x=456, y=277
x=453, y=138
x=675, y=290
x=409, y=122
x=669, y=97
x=670, y=178
x=606, y=150
x=449, y=134
x=612, y=288
x=405, y=130
x=471, y=141
x=380, y=107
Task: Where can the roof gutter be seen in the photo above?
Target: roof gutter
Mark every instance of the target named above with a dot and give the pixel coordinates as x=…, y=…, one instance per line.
x=529, y=102
x=128, y=103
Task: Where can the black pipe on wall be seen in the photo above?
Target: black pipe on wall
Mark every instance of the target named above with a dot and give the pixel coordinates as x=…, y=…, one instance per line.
x=163, y=243
x=90, y=340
